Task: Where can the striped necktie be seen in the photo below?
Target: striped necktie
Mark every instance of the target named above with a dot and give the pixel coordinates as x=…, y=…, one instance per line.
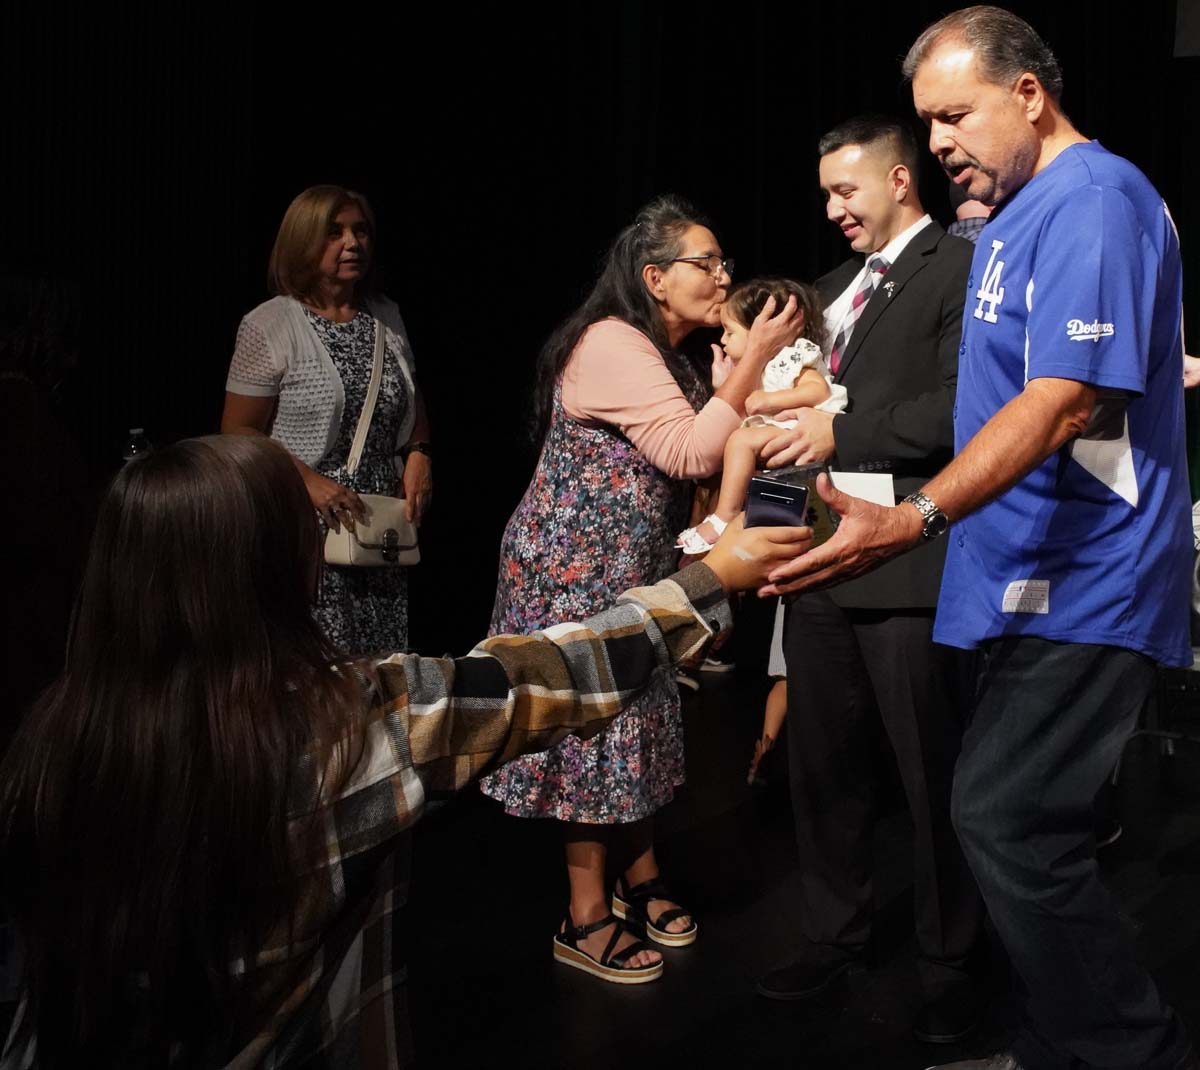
x=877, y=267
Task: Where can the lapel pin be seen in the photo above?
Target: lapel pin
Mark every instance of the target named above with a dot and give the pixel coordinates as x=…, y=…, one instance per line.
x=889, y=288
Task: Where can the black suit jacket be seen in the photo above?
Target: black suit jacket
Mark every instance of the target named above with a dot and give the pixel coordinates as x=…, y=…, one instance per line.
x=900, y=371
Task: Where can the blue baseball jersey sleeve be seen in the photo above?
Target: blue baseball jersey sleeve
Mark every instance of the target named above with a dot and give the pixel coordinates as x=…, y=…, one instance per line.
x=1077, y=276
x=1098, y=269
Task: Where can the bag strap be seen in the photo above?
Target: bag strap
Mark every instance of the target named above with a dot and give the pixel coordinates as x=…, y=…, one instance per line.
x=368, y=410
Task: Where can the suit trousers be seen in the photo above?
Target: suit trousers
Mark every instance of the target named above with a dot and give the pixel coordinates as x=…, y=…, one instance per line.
x=1049, y=724
x=852, y=672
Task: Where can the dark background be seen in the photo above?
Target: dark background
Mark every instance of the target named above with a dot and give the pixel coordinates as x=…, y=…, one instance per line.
x=150, y=155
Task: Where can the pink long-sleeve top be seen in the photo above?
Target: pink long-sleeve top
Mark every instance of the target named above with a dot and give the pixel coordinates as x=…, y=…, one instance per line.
x=617, y=377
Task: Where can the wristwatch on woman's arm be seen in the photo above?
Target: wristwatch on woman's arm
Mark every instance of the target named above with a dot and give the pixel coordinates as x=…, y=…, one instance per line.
x=417, y=447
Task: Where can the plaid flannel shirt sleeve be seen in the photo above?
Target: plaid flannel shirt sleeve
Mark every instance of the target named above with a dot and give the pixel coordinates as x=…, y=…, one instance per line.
x=515, y=695
x=435, y=724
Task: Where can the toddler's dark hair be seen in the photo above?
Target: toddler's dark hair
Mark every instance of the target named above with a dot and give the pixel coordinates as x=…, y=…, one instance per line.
x=746, y=300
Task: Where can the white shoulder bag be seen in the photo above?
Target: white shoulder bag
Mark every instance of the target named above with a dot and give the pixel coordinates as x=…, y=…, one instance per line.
x=387, y=537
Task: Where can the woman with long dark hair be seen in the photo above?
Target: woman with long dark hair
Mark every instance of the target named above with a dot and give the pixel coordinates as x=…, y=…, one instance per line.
x=626, y=425
x=203, y=822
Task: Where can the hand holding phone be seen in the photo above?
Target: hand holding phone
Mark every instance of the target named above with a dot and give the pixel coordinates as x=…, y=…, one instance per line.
x=770, y=503
x=788, y=497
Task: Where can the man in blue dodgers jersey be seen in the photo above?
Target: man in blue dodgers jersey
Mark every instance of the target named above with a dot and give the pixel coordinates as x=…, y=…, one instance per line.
x=1068, y=516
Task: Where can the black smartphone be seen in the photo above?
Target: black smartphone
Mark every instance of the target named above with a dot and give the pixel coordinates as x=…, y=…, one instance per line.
x=772, y=504
x=788, y=498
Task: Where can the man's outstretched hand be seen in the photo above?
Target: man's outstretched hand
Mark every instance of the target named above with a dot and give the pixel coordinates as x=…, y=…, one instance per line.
x=867, y=536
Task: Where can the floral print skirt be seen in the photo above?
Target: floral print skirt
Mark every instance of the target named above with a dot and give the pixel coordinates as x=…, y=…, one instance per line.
x=597, y=519
x=622, y=775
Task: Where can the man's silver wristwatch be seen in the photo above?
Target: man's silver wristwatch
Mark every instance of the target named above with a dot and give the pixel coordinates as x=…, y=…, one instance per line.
x=936, y=522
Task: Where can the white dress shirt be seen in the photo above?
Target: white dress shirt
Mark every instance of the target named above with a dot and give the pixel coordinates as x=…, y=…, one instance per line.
x=836, y=310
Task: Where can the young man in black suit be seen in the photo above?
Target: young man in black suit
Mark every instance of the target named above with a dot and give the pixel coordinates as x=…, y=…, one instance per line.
x=860, y=657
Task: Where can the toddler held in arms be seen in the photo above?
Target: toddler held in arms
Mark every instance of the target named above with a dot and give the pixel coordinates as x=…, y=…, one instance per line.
x=796, y=377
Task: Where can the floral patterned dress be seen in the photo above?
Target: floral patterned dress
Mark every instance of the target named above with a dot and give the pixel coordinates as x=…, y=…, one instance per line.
x=597, y=519
x=363, y=610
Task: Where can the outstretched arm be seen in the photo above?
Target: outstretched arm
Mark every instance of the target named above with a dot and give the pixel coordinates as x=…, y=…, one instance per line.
x=1045, y=416
x=516, y=694
x=435, y=724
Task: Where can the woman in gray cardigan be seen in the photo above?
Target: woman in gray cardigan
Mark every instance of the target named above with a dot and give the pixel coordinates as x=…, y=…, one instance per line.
x=300, y=372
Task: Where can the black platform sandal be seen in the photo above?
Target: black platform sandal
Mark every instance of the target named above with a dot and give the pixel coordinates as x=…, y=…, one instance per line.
x=633, y=904
x=610, y=966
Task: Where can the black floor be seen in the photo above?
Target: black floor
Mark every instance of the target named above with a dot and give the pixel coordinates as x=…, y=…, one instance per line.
x=489, y=891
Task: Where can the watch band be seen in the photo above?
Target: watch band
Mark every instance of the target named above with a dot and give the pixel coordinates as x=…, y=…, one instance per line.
x=935, y=521
x=417, y=447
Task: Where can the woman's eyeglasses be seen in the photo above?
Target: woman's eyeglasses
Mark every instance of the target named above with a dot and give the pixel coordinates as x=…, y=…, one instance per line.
x=713, y=264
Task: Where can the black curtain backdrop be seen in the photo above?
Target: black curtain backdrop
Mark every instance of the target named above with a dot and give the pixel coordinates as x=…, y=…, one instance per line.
x=151, y=151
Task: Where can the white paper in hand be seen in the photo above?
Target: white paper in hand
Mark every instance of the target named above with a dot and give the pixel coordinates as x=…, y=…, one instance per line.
x=870, y=486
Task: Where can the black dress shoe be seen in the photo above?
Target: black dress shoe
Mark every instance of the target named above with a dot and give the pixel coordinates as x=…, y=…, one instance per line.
x=950, y=1016
x=807, y=977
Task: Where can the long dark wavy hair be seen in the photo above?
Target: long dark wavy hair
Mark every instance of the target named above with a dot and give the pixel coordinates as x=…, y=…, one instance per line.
x=654, y=237
x=143, y=803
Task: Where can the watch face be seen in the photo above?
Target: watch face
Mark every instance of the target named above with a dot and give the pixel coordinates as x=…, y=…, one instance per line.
x=936, y=525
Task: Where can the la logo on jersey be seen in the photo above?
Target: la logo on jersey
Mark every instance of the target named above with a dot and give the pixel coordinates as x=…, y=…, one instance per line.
x=991, y=293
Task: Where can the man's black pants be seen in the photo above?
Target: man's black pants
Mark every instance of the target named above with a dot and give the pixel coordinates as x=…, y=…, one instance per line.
x=1049, y=724
x=851, y=674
